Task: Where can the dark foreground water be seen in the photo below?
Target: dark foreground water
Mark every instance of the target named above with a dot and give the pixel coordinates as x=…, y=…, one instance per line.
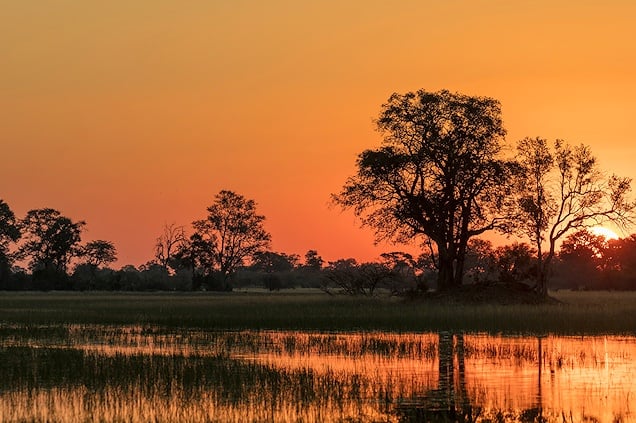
x=139, y=374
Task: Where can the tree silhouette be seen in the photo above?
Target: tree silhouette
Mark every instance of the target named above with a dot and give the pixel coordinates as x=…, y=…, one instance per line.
x=436, y=175
x=168, y=243
x=9, y=232
x=233, y=231
x=620, y=263
x=270, y=261
x=51, y=239
x=98, y=253
x=561, y=190
x=313, y=260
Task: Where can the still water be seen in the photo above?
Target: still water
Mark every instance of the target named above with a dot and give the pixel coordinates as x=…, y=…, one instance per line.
x=138, y=374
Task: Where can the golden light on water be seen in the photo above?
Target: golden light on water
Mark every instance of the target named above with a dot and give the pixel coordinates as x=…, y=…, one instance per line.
x=139, y=374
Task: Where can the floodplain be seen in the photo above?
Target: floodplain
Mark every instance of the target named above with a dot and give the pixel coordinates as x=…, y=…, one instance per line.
x=305, y=356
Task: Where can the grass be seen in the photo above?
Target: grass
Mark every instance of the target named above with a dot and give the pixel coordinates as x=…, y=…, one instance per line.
x=579, y=313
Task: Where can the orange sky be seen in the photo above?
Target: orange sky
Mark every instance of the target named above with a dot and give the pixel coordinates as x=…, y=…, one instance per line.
x=134, y=114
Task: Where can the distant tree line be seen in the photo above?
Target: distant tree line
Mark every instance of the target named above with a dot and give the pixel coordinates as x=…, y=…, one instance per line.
x=48, y=243
x=50, y=246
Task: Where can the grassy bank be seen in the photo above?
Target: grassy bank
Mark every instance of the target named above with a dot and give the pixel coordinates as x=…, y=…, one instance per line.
x=579, y=312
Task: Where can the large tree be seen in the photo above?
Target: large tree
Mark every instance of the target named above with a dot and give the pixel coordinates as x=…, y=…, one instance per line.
x=562, y=190
x=51, y=240
x=436, y=175
x=233, y=231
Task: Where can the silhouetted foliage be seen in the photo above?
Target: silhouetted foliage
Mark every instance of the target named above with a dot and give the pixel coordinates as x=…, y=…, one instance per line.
x=508, y=264
x=437, y=175
x=50, y=278
x=194, y=255
x=561, y=190
x=233, y=231
x=273, y=265
x=619, y=264
x=515, y=263
x=480, y=257
x=51, y=240
x=313, y=260
x=87, y=277
x=168, y=244
x=98, y=253
x=9, y=233
x=349, y=277
x=270, y=262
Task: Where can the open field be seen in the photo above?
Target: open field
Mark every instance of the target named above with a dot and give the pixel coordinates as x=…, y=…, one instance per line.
x=579, y=312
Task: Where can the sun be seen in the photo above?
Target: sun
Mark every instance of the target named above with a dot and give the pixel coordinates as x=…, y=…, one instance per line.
x=604, y=232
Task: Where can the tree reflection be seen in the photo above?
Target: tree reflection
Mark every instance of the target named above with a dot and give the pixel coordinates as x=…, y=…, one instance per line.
x=450, y=401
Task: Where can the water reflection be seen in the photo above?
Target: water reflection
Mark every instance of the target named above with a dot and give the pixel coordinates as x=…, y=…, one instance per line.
x=449, y=401
x=89, y=373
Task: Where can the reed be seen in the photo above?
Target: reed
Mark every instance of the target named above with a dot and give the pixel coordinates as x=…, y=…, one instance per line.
x=86, y=373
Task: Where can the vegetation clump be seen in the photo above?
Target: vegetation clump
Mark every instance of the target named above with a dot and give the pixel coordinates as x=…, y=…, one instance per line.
x=490, y=293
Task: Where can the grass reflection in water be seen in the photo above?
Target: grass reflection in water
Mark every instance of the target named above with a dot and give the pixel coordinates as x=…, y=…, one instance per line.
x=107, y=373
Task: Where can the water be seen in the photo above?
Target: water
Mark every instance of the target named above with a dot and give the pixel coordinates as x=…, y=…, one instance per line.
x=138, y=374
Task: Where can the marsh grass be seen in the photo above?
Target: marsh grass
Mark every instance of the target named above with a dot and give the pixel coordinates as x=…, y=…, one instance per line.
x=151, y=373
x=578, y=312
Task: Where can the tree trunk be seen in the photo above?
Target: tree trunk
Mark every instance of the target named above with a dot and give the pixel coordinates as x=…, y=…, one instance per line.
x=445, y=275
x=544, y=270
x=542, y=284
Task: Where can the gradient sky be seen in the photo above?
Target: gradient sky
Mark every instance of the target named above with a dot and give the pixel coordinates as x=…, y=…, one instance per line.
x=132, y=114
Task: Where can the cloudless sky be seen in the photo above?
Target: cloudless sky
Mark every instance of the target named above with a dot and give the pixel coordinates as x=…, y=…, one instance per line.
x=132, y=114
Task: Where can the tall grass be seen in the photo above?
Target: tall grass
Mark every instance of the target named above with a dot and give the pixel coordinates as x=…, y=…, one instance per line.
x=579, y=312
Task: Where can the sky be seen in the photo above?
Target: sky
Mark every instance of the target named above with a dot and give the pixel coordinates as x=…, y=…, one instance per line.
x=131, y=115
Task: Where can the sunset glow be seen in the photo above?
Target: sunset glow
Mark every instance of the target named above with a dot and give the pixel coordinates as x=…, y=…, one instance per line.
x=132, y=115
x=604, y=232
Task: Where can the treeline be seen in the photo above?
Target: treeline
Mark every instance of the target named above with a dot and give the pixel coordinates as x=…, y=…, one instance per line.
x=585, y=261
x=50, y=244
x=230, y=249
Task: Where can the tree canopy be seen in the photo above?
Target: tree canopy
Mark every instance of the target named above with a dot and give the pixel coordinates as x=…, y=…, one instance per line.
x=233, y=231
x=9, y=227
x=98, y=253
x=561, y=189
x=51, y=240
x=437, y=175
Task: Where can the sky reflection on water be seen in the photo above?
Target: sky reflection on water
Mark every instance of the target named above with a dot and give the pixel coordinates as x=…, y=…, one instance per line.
x=88, y=373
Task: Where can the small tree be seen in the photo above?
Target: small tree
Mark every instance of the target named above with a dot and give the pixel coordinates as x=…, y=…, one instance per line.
x=194, y=254
x=480, y=258
x=582, y=255
x=355, y=279
x=233, y=231
x=562, y=190
x=313, y=261
x=514, y=263
x=273, y=265
x=51, y=240
x=98, y=253
x=168, y=243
